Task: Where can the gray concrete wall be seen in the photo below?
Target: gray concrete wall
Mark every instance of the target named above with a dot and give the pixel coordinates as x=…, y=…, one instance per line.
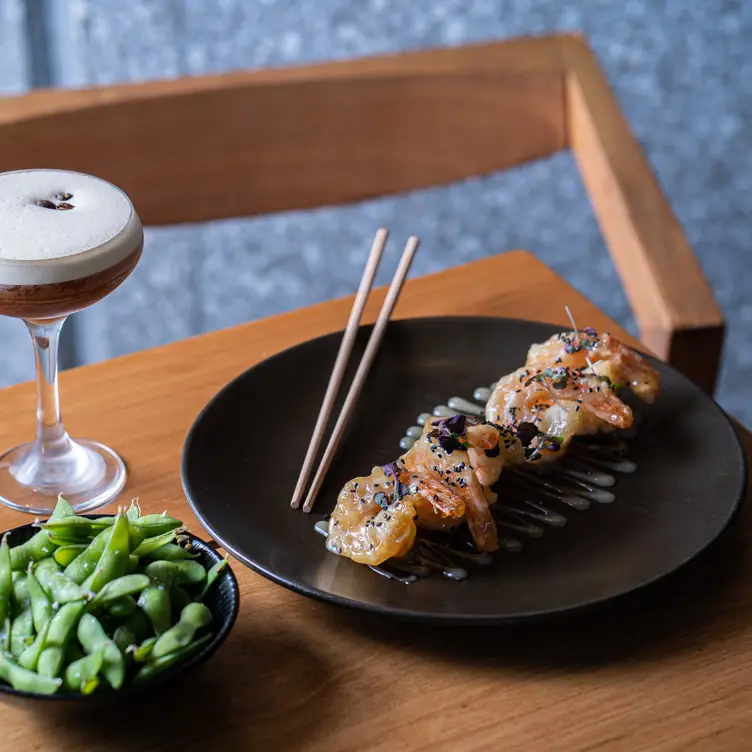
x=682, y=71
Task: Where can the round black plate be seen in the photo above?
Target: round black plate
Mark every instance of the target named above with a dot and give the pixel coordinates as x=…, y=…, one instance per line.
x=244, y=452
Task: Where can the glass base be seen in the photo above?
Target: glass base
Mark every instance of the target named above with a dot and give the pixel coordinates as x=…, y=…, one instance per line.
x=86, y=473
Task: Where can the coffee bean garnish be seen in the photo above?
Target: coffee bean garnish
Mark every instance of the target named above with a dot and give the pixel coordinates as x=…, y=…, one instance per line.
x=64, y=205
x=45, y=204
x=63, y=196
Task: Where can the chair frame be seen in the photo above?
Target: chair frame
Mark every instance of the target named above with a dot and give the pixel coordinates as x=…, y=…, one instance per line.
x=255, y=142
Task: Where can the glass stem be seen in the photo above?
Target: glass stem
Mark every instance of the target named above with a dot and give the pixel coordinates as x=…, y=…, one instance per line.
x=52, y=439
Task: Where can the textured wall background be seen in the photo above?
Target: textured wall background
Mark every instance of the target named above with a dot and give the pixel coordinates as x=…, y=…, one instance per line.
x=682, y=71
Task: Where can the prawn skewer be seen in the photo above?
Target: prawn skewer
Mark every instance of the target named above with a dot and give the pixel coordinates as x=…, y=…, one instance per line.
x=609, y=357
x=553, y=405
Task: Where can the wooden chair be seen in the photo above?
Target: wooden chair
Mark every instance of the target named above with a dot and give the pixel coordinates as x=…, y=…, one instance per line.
x=265, y=141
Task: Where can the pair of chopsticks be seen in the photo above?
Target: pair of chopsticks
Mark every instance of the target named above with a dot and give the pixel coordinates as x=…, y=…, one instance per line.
x=340, y=364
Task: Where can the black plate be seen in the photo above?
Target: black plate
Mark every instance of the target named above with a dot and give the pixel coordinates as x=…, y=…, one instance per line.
x=243, y=455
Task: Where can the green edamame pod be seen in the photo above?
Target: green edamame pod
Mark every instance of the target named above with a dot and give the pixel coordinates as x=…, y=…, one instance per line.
x=124, y=638
x=155, y=524
x=142, y=652
x=62, y=625
x=170, y=552
x=41, y=606
x=149, y=545
x=193, y=617
x=127, y=585
x=21, y=596
x=76, y=529
x=60, y=588
x=39, y=545
x=133, y=563
x=83, y=566
x=162, y=572
x=155, y=603
x=114, y=560
x=24, y=680
x=44, y=569
x=92, y=636
x=122, y=608
x=62, y=509
x=21, y=633
x=6, y=579
x=134, y=511
x=66, y=554
x=5, y=636
x=156, y=667
x=62, y=540
x=189, y=573
x=50, y=663
x=83, y=675
x=212, y=575
x=30, y=656
x=64, y=622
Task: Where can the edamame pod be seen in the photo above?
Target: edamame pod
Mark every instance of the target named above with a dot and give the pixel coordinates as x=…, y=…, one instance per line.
x=193, y=617
x=142, y=652
x=155, y=524
x=149, y=545
x=189, y=573
x=24, y=680
x=212, y=575
x=62, y=625
x=76, y=529
x=30, y=656
x=6, y=579
x=122, y=608
x=83, y=675
x=21, y=633
x=154, y=668
x=171, y=552
x=39, y=545
x=83, y=566
x=114, y=560
x=60, y=588
x=21, y=597
x=124, y=586
x=41, y=606
x=92, y=636
x=155, y=603
x=64, y=555
x=134, y=511
x=5, y=636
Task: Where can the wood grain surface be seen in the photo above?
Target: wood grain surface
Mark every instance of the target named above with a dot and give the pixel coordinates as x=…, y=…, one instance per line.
x=668, y=670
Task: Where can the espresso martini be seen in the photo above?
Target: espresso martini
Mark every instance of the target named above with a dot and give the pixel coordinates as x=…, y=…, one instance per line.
x=66, y=241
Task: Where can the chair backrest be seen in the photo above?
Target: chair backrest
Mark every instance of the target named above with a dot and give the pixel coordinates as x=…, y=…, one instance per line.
x=259, y=142
x=265, y=141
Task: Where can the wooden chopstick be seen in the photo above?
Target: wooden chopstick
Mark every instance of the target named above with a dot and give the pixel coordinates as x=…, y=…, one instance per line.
x=340, y=364
x=364, y=367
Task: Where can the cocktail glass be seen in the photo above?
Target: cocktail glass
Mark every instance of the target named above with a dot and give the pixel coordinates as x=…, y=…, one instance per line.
x=66, y=241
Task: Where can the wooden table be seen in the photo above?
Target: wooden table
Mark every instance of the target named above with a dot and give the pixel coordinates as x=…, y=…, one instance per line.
x=670, y=669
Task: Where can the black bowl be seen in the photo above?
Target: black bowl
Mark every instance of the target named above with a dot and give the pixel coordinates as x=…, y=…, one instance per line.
x=223, y=601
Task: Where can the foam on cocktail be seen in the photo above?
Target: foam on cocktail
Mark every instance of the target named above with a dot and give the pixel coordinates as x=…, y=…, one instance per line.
x=57, y=226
